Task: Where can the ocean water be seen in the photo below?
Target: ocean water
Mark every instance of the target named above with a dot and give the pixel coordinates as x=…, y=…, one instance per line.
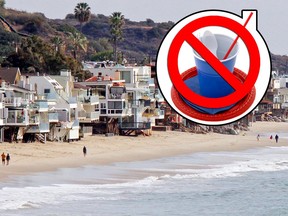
x=252, y=182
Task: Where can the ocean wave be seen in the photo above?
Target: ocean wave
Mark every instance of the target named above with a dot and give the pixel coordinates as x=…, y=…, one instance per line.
x=264, y=160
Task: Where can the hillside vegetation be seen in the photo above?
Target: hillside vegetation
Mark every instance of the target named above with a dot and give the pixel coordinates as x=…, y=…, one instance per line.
x=141, y=39
x=140, y=44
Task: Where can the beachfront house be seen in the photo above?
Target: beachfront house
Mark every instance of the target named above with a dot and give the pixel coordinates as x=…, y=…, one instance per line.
x=113, y=106
x=3, y=114
x=62, y=106
x=88, y=107
x=141, y=92
x=21, y=109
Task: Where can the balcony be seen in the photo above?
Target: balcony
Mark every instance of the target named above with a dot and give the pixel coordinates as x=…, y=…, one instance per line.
x=143, y=82
x=41, y=128
x=89, y=100
x=84, y=116
x=40, y=106
x=117, y=92
x=134, y=125
x=17, y=118
x=15, y=102
x=34, y=120
x=117, y=96
x=93, y=115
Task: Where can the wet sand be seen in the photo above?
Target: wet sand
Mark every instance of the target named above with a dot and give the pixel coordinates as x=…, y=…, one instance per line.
x=38, y=157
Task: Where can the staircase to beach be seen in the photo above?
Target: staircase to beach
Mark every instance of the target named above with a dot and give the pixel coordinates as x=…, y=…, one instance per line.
x=9, y=28
x=40, y=138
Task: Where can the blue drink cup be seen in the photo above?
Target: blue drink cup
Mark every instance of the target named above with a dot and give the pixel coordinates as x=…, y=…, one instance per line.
x=211, y=84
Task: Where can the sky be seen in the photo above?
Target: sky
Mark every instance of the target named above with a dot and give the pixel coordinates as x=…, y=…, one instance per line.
x=272, y=14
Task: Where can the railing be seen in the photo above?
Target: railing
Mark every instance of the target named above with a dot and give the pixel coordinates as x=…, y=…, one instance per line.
x=92, y=115
x=88, y=115
x=89, y=99
x=41, y=128
x=17, y=117
x=81, y=114
x=143, y=82
x=41, y=106
x=34, y=106
x=18, y=120
x=117, y=96
x=16, y=101
x=34, y=119
x=134, y=125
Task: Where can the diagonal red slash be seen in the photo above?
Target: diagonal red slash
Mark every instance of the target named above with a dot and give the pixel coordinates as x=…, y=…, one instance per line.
x=235, y=41
x=214, y=61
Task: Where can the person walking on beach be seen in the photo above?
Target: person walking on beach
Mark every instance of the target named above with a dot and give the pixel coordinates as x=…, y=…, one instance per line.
x=3, y=158
x=276, y=138
x=258, y=137
x=84, y=151
x=7, y=159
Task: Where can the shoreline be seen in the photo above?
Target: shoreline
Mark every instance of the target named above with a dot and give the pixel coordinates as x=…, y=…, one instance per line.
x=36, y=157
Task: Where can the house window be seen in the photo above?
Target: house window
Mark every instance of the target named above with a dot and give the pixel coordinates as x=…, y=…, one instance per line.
x=125, y=75
x=115, y=105
x=103, y=105
x=46, y=91
x=97, y=107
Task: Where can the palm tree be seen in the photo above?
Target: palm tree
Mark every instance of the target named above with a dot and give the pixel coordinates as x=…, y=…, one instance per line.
x=116, y=25
x=78, y=41
x=57, y=42
x=82, y=13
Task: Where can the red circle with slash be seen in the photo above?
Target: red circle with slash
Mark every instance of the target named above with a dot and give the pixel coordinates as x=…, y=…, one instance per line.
x=241, y=89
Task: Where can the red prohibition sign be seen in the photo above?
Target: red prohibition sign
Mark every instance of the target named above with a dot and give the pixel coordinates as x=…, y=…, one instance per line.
x=241, y=89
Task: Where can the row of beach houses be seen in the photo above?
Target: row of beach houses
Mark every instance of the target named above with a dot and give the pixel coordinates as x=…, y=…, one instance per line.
x=115, y=99
x=275, y=101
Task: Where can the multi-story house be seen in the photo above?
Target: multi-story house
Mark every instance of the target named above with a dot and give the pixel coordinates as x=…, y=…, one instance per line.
x=141, y=94
x=113, y=104
x=62, y=106
x=23, y=111
x=88, y=107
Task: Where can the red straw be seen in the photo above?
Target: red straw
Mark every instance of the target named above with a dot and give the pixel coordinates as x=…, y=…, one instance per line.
x=234, y=42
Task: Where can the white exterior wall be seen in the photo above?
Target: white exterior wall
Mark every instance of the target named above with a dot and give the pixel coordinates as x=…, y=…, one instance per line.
x=276, y=84
x=43, y=83
x=283, y=82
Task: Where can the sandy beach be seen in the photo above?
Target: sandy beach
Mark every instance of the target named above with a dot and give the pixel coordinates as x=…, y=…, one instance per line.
x=38, y=157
